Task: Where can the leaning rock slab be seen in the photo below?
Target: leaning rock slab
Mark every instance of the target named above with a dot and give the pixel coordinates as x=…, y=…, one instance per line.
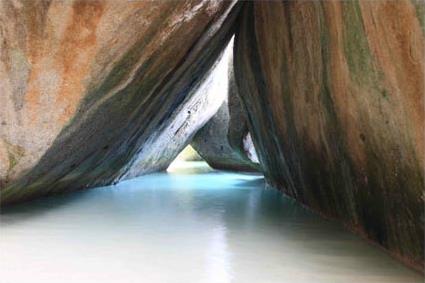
x=335, y=96
x=163, y=145
x=225, y=142
x=84, y=84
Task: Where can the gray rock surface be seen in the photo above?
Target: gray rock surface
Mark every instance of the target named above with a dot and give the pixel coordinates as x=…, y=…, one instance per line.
x=170, y=139
x=224, y=142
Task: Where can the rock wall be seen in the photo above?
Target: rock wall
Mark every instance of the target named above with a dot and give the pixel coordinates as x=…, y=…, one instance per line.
x=335, y=95
x=84, y=84
x=224, y=142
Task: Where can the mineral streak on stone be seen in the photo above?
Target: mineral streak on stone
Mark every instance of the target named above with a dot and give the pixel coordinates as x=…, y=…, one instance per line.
x=335, y=96
x=84, y=84
x=224, y=142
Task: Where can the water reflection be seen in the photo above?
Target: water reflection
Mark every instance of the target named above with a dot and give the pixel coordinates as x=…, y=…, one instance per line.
x=184, y=227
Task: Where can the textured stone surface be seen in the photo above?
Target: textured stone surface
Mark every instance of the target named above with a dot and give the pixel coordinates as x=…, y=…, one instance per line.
x=335, y=95
x=84, y=84
x=224, y=142
x=163, y=145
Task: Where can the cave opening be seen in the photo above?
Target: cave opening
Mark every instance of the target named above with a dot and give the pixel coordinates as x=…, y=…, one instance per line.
x=216, y=124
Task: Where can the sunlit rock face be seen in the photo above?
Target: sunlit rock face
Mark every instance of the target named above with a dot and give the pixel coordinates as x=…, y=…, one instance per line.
x=224, y=142
x=335, y=95
x=85, y=84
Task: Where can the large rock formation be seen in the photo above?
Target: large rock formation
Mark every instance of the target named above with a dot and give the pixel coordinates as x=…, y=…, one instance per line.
x=335, y=96
x=85, y=84
x=94, y=91
x=225, y=142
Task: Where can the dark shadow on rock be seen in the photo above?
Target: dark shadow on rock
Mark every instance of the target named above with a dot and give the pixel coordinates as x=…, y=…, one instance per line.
x=31, y=209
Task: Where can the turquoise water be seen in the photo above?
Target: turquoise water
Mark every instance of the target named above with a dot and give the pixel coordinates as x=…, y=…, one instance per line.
x=190, y=225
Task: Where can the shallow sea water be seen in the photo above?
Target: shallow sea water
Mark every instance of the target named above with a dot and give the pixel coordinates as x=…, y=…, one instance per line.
x=193, y=224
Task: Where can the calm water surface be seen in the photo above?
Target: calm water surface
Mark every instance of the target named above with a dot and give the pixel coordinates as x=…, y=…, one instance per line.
x=191, y=225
